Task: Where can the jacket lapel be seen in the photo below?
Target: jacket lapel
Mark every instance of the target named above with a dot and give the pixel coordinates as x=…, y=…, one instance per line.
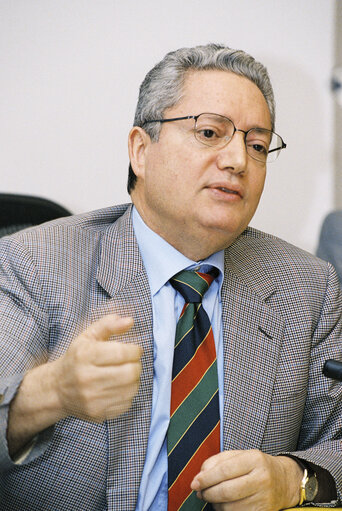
x=252, y=334
x=125, y=291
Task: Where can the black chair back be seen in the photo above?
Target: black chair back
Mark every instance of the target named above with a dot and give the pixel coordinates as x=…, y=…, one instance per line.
x=20, y=211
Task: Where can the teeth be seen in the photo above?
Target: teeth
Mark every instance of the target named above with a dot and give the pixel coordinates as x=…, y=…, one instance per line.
x=228, y=191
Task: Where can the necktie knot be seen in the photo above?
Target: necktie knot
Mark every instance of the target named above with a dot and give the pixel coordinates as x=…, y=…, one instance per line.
x=192, y=285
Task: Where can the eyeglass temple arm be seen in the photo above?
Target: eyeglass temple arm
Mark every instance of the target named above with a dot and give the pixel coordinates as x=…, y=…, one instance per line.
x=283, y=146
x=173, y=119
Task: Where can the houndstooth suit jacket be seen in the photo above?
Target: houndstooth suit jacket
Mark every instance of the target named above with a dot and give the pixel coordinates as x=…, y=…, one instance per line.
x=281, y=320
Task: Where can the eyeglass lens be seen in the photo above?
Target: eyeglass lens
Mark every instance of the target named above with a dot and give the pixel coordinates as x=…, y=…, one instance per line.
x=216, y=131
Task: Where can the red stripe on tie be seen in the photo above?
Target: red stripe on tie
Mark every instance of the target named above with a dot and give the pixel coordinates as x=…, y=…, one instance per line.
x=180, y=490
x=192, y=373
x=206, y=277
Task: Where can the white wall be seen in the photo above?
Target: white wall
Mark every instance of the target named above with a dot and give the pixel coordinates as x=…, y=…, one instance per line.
x=70, y=72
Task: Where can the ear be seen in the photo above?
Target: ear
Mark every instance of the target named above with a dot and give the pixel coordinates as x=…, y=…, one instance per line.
x=138, y=142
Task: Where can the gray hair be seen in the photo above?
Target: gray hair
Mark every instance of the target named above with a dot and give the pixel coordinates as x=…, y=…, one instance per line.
x=163, y=86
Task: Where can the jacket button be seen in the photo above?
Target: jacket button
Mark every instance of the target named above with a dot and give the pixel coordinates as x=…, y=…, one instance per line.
x=2, y=397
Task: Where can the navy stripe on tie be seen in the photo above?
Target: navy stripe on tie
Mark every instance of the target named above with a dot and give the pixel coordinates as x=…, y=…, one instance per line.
x=185, y=350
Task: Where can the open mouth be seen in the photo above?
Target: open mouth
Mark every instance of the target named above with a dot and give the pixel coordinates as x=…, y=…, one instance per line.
x=226, y=190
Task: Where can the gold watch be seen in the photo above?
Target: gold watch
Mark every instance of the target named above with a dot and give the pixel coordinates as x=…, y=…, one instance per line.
x=308, y=487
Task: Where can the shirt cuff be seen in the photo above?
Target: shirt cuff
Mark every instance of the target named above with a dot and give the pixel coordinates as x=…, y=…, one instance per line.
x=327, y=492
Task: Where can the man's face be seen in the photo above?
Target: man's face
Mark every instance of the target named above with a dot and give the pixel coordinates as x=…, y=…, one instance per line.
x=200, y=198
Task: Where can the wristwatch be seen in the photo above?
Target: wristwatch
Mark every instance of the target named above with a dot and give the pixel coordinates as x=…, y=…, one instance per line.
x=308, y=487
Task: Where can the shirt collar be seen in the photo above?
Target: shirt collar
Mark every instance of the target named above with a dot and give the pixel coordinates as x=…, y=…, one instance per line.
x=158, y=253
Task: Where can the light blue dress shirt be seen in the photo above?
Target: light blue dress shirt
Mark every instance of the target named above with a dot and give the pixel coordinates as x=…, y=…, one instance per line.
x=162, y=261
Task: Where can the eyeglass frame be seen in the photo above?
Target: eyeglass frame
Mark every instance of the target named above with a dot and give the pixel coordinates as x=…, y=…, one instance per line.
x=195, y=117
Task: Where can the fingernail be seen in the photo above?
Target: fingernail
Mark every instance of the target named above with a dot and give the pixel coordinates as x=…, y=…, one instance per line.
x=195, y=485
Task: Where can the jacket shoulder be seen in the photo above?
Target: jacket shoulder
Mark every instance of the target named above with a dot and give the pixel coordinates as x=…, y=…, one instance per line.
x=262, y=244
x=91, y=222
x=258, y=255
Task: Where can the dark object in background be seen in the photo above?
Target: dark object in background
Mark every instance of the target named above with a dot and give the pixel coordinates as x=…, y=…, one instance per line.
x=20, y=211
x=330, y=241
x=333, y=369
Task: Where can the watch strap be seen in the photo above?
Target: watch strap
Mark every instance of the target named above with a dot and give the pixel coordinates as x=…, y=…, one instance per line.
x=327, y=492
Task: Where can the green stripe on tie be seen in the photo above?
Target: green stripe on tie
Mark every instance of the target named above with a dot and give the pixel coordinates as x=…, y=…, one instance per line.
x=192, y=405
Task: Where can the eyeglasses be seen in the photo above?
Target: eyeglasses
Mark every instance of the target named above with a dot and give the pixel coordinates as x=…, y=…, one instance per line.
x=216, y=130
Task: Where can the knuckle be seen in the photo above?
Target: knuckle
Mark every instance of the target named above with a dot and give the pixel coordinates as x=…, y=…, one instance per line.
x=120, y=351
x=80, y=350
x=265, y=478
x=129, y=392
x=89, y=332
x=93, y=410
x=225, y=469
x=136, y=370
x=135, y=389
x=132, y=373
x=205, y=465
x=259, y=458
x=257, y=454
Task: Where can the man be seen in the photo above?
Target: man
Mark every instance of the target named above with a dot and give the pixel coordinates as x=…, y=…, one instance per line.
x=85, y=423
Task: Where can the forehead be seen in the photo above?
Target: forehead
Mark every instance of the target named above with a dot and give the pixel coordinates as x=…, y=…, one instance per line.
x=224, y=93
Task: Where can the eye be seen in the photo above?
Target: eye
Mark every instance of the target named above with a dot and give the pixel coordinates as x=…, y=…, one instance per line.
x=211, y=129
x=258, y=142
x=207, y=133
x=258, y=148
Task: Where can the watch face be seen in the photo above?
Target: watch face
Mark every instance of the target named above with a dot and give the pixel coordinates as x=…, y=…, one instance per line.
x=311, y=488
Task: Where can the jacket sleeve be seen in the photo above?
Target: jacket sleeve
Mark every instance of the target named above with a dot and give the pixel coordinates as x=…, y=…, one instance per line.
x=24, y=333
x=320, y=440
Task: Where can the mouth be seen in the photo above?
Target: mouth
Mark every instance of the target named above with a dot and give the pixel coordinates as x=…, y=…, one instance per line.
x=227, y=190
x=231, y=190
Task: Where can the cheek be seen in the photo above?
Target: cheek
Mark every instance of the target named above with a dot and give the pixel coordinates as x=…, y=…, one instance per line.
x=177, y=170
x=257, y=185
x=162, y=185
x=255, y=189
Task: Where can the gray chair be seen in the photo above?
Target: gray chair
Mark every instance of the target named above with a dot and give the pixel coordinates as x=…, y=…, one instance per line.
x=330, y=241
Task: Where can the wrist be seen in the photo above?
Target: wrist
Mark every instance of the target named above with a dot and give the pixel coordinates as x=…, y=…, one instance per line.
x=35, y=407
x=54, y=374
x=292, y=476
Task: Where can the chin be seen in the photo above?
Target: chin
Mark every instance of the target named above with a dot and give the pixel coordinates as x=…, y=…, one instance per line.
x=221, y=233
x=224, y=224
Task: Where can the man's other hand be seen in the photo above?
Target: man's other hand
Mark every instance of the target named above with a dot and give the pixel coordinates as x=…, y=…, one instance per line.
x=249, y=480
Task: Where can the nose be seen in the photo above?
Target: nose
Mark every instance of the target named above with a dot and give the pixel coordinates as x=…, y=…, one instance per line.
x=233, y=156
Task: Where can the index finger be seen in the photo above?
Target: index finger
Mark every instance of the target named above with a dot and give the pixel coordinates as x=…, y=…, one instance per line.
x=222, y=467
x=115, y=353
x=108, y=325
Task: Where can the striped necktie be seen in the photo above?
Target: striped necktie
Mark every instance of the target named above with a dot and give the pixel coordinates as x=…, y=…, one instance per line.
x=194, y=430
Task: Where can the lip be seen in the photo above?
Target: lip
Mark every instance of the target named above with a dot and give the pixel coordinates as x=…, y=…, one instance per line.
x=228, y=188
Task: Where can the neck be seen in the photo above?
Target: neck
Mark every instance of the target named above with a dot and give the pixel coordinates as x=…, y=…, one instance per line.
x=194, y=243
